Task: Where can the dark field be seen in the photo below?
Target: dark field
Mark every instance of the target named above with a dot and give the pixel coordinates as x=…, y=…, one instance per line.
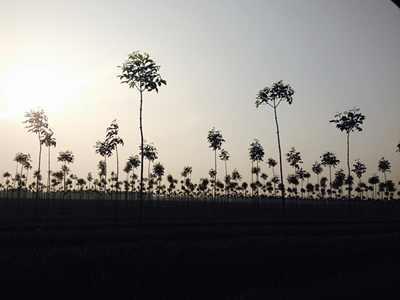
x=190, y=250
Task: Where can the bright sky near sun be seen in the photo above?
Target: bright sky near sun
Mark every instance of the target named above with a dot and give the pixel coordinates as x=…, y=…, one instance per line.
x=215, y=57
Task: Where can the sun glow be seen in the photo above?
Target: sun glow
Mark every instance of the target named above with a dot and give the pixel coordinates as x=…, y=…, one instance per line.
x=37, y=86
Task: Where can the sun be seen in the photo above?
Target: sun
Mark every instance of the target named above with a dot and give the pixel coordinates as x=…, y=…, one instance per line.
x=38, y=87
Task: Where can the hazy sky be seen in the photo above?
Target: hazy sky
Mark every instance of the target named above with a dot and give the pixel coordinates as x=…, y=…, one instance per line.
x=215, y=57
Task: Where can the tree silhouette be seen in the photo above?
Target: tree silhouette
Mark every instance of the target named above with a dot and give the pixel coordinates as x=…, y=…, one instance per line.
x=37, y=123
x=384, y=166
x=187, y=171
x=348, y=122
x=150, y=153
x=329, y=159
x=49, y=141
x=113, y=140
x=273, y=97
x=359, y=168
x=271, y=164
x=140, y=71
x=339, y=180
x=104, y=149
x=215, y=139
x=158, y=170
x=65, y=157
x=224, y=156
x=374, y=180
x=256, y=153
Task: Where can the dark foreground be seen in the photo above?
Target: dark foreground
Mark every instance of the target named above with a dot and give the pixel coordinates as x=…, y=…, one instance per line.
x=81, y=249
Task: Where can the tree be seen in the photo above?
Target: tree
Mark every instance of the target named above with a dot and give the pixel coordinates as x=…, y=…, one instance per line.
x=37, y=123
x=359, y=168
x=49, y=141
x=65, y=157
x=224, y=156
x=113, y=140
x=339, y=180
x=158, y=170
x=374, y=180
x=104, y=149
x=150, y=153
x=271, y=164
x=215, y=139
x=329, y=159
x=187, y=172
x=273, y=97
x=141, y=72
x=384, y=166
x=256, y=153
x=348, y=122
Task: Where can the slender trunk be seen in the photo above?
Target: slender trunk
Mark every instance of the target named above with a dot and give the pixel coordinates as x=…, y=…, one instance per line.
x=48, y=174
x=48, y=192
x=215, y=182
x=37, y=190
x=350, y=208
x=140, y=197
x=116, y=195
x=348, y=163
x=330, y=181
x=283, y=195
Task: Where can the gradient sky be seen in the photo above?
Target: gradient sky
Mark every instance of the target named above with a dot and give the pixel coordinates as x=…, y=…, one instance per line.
x=215, y=57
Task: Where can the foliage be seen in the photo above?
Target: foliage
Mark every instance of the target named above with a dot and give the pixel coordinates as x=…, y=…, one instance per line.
x=140, y=71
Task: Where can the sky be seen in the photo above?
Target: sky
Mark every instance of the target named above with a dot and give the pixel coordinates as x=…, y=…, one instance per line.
x=215, y=56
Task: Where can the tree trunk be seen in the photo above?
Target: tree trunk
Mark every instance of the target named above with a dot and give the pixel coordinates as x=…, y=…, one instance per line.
x=283, y=195
x=140, y=198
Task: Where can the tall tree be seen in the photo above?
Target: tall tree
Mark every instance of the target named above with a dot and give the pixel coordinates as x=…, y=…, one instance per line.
x=37, y=123
x=141, y=72
x=349, y=121
x=49, y=141
x=273, y=97
x=329, y=159
x=359, y=168
x=150, y=153
x=158, y=170
x=66, y=157
x=384, y=166
x=224, y=156
x=271, y=164
x=104, y=149
x=374, y=180
x=339, y=180
x=113, y=139
x=256, y=153
x=215, y=139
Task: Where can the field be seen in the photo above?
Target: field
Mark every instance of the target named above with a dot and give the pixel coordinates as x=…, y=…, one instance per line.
x=196, y=249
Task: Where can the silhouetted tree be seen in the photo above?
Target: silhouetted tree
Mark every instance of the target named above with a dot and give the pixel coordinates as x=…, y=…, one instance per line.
x=65, y=157
x=36, y=121
x=113, y=140
x=141, y=72
x=256, y=153
x=49, y=141
x=359, y=168
x=384, y=166
x=215, y=139
x=374, y=180
x=273, y=97
x=348, y=122
x=329, y=159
